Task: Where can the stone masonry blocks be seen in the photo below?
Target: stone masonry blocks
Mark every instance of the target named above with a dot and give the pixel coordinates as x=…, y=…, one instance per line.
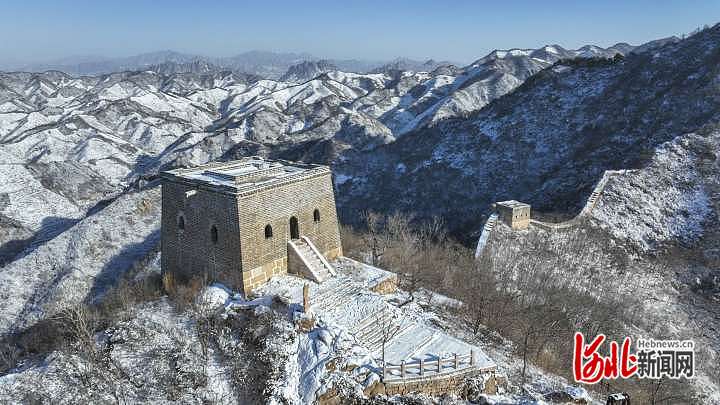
x=241, y=255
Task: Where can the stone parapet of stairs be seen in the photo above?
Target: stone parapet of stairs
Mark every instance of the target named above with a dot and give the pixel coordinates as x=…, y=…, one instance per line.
x=319, y=255
x=485, y=235
x=589, y=204
x=305, y=259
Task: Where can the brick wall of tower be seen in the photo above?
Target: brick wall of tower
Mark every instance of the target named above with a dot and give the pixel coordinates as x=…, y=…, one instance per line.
x=521, y=218
x=517, y=217
x=191, y=252
x=264, y=257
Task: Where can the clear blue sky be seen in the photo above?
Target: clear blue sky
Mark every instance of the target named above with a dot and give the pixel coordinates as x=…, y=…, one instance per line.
x=35, y=30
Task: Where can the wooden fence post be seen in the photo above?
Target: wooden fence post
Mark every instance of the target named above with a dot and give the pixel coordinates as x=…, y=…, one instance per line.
x=439, y=364
x=422, y=365
x=457, y=361
x=384, y=373
x=402, y=369
x=472, y=357
x=306, y=298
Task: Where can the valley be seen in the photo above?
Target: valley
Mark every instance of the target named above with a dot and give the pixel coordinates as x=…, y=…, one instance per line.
x=422, y=149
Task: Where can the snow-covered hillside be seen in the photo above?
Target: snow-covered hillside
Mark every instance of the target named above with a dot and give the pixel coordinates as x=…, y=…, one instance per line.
x=81, y=263
x=69, y=143
x=546, y=143
x=652, y=244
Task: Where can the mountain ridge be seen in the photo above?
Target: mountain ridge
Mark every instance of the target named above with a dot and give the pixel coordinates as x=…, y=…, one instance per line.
x=268, y=64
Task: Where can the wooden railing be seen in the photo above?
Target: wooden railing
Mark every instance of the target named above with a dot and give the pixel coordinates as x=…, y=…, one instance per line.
x=425, y=368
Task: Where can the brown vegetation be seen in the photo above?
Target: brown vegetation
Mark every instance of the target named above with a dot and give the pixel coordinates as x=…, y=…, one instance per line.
x=75, y=327
x=537, y=296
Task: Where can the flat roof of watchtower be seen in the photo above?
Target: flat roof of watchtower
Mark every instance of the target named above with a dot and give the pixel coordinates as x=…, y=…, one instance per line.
x=513, y=204
x=247, y=174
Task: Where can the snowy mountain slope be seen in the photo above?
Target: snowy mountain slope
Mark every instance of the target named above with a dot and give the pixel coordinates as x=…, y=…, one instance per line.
x=652, y=243
x=81, y=263
x=547, y=142
x=307, y=70
x=672, y=200
x=405, y=64
x=196, y=66
x=73, y=142
x=155, y=354
x=109, y=130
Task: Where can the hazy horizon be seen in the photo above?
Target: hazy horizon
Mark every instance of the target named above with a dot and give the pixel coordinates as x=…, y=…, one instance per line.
x=372, y=31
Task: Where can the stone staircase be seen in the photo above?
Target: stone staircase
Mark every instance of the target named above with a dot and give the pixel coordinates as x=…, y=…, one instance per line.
x=335, y=298
x=597, y=191
x=371, y=330
x=315, y=263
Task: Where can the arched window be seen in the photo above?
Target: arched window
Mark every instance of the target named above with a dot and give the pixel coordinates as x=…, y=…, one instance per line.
x=316, y=215
x=181, y=223
x=268, y=231
x=214, y=234
x=294, y=228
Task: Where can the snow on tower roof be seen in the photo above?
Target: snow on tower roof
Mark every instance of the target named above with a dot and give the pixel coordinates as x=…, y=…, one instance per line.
x=512, y=204
x=247, y=174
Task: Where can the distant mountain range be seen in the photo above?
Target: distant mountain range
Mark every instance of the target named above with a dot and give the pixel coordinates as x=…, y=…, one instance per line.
x=270, y=65
x=431, y=139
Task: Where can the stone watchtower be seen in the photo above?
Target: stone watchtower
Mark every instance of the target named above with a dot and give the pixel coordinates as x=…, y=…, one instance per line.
x=244, y=221
x=513, y=213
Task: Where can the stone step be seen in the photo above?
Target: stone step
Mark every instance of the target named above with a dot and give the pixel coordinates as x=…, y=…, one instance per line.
x=312, y=258
x=336, y=297
x=371, y=327
x=374, y=342
x=306, y=252
x=335, y=301
x=377, y=333
x=368, y=321
x=330, y=292
x=315, y=263
x=372, y=339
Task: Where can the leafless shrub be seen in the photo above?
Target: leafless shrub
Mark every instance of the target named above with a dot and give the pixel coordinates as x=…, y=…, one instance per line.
x=119, y=302
x=78, y=324
x=183, y=295
x=537, y=293
x=389, y=328
x=144, y=206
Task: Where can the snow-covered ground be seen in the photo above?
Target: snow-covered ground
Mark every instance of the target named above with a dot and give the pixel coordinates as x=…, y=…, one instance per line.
x=665, y=202
x=81, y=263
x=347, y=302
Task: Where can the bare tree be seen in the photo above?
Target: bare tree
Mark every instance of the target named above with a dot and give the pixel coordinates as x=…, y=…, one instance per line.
x=389, y=328
x=376, y=238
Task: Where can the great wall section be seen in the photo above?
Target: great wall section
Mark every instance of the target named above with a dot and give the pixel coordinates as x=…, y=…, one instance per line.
x=550, y=226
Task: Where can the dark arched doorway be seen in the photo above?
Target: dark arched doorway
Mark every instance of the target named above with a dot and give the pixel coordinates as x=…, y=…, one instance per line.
x=294, y=228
